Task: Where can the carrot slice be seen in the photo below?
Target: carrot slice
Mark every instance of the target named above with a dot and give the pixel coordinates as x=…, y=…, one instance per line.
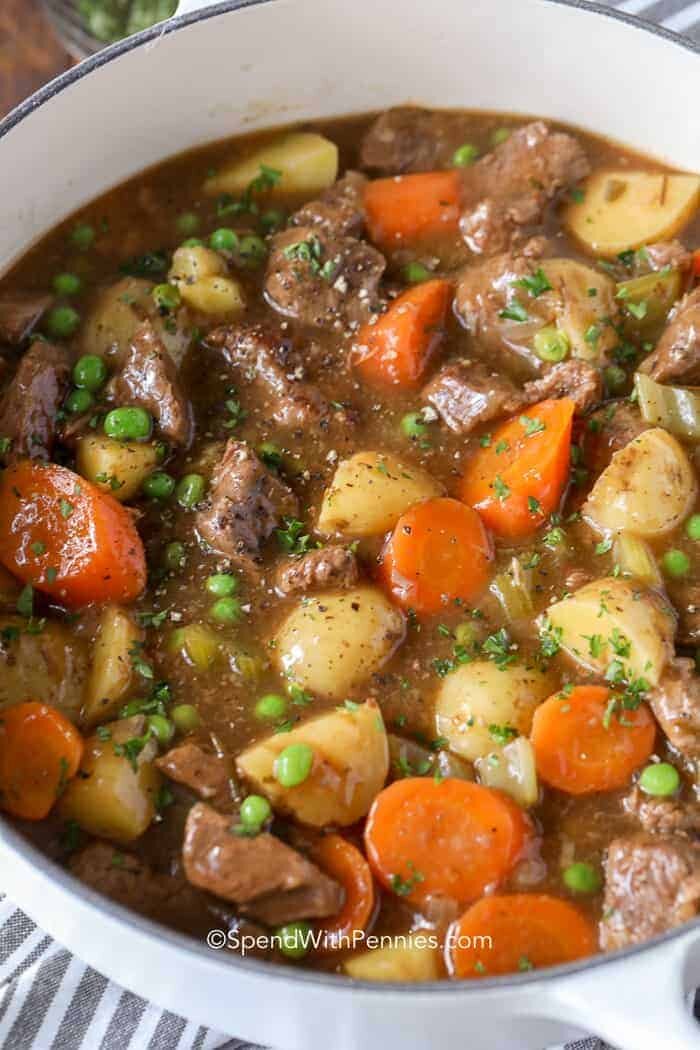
x=344, y=862
x=450, y=838
x=583, y=745
x=396, y=349
x=66, y=538
x=500, y=935
x=40, y=751
x=439, y=551
x=518, y=478
x=404, y=208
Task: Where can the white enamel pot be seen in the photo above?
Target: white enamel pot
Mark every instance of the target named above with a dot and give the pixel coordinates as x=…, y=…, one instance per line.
x=214, y=71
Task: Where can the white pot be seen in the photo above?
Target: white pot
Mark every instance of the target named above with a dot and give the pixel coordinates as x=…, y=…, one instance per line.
x=234, y=67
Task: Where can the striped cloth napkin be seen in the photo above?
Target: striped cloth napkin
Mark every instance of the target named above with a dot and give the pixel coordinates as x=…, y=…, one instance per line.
x=49, y=1000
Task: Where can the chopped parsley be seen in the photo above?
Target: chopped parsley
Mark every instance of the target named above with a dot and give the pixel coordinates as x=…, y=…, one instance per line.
x=405, y=886
x=292, y=537
x=536, y=284
x=501, y=489
x=502, y=734
x=532, y=425
x=514, y=311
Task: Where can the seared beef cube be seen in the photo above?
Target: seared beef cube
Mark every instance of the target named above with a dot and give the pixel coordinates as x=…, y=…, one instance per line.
x=20, y=314
x=329, y=567
x=339, y=210
x=322, y=279
x=663, y=816
x=128, y=880
x=149, y=379
x=261, y=874
x=677, y=355
x=30, y=404
x=411, y=139
x=245, y=505
x=467, y=393
x=573, y=379
x=208, y=776
x=685, y=595
x=668, y=253
x=609, y=429
x=652, y=883
x=676, y=704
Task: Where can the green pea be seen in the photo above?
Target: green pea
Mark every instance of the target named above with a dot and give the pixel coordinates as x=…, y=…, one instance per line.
x=270, y=707
x=294, y=939
x=413, y=425
x=659, y=778
x=252, y=250
x=90, y=372
x=128, y=424
x=255, y=810
x=582, y=878
x=273, y=219
x=185, y=717
x=161, y=728
x=82, y=236
x=226, y=610
x=293, y=765
x=166, y=297
x=67, y=284
x=676, y=563
x=190, y=490
x=222, y=584
x=465, y=155
x=174, y=556
x=187, y=223
x=159, y=485
x=499, y=136
x=692, y=527
x=193, y=242
x=615, y=378
x=224, y=240
x=415, y=272
x=79, y=401
x=62, y=322
x=551, y=344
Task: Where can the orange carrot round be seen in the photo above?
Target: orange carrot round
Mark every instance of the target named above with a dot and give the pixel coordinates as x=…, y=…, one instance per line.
x=583, y=744
x=405, y=208
x=451, y=838
x=439, y=551
x=517, y=480
x=344, y=863
x=396, y=349
x=500, y=935
x=59, y=533
x=40, y=751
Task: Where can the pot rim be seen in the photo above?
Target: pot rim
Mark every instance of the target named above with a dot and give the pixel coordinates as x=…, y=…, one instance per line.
x=184, y=943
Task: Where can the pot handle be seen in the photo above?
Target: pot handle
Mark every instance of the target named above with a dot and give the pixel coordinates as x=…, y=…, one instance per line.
x=640, y=1003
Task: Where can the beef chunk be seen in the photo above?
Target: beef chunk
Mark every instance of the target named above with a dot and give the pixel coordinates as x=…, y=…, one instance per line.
x=268, y=361
x=575, y=379
x=149, y=379
x=322, y=279
x=408, y=138
x=129, y=881
x=507, y=190
x=266, y=878
x=245, y=505
x=676, y=704
x=325, y=568
x=20, y=314
x=668, y=253
x=31, y=402
x=339, y=210
x=685, y=595
x=677, y=354
x=652, y=883
x=663, y=816
x=467, y=393
x=609, y=429
x=209, y=776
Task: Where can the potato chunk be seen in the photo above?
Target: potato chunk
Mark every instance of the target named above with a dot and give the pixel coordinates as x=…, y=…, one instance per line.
x=350, y=765
x=647, y=489
x=307, y=163
x=369, y=493
x=114, y=793
x=479, y=701
x=49, y=665
x=119, y=310
x=407, y=960
x=201, y=275
x=578, y=312
x=117, y=467
x=627, y=209
x=612, y=619
x=331, y=643
x=112, y=672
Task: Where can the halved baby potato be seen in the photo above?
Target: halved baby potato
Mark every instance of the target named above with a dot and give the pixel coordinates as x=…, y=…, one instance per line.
x=49, y=665
x=307, y=163
x=647, y=489
x=614, y=619
x=117, y=467
x=407, y=960
x=350, y=766
x=112, y=672
x=584, y=302
x=626, y=209
x=117, y=312
x=369, y=493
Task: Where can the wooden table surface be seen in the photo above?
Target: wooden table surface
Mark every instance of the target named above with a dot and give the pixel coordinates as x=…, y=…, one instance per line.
x=30, y=54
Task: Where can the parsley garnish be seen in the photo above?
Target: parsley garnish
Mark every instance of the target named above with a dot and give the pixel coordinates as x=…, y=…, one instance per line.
x=514, y=311
x=535, y=285
x=501, y=489
x=532, y=425
x=502, y=734
x=151, y=264
x=404, y=886
x=292, y=537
